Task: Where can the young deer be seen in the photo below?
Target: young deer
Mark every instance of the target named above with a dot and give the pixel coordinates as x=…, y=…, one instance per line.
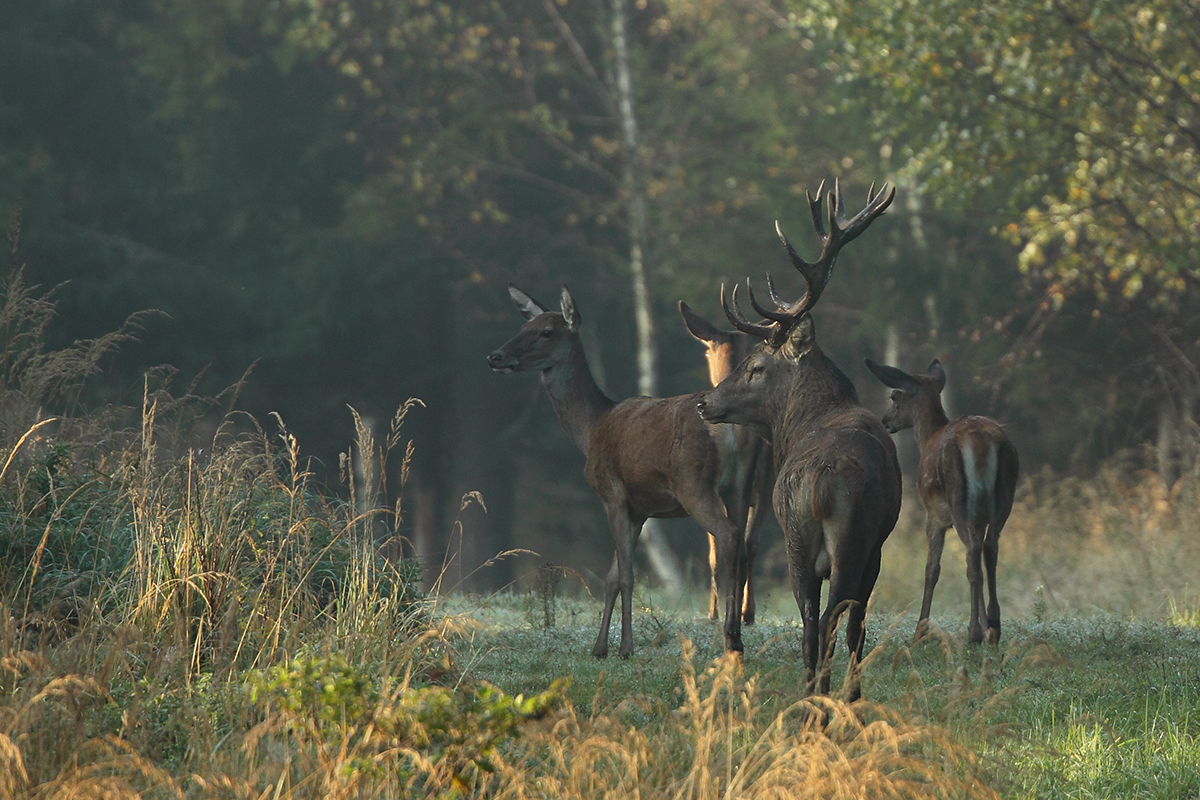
x=837, y=486
x=967, y=478
x=747, y=473
x=646, y=457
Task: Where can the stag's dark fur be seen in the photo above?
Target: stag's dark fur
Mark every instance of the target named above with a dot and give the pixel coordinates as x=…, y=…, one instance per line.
x=837, y=489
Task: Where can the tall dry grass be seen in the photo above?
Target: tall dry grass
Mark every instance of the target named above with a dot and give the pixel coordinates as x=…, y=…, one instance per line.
x=720, y=742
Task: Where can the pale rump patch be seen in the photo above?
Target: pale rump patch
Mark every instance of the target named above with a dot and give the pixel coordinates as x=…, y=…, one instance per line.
x=980, y=483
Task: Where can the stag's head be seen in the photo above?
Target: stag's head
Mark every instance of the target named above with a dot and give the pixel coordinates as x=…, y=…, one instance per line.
x=908, y=391
x=751, y=392
x=544, y=340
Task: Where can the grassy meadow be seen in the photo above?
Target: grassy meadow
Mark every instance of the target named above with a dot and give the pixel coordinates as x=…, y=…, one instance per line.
x=180, y=621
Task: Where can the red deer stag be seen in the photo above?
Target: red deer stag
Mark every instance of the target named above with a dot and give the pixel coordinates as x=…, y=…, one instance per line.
x=837, y=485
x=967, y=478
x=646, y=457
x=746, y=475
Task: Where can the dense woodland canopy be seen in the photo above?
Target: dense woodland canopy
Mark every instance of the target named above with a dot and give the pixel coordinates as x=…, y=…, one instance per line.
x=337, y=192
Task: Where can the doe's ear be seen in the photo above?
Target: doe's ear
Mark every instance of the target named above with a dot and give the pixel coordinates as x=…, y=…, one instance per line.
x=936, y=372
x=890, y=376
x=530, y=308
x=700, y=328
x=569, y=311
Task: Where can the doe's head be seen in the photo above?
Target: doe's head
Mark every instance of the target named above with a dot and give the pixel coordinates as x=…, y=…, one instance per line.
x=544, y=340
x=908, y=391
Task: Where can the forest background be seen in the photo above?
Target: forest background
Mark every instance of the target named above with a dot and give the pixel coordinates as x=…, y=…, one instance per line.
x=337, y=193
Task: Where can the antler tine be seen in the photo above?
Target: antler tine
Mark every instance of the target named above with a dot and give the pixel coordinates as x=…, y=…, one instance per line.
x=771, y=291
x=739, y=321
x=810, y=272
x=814, y=208
x=782, y=313
x=837, y=208
x=875, y=206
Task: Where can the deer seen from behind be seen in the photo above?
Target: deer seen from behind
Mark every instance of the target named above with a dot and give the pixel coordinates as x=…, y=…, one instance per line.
x=837, y=486
x=747, y=472
x=646, y=457
x=967, y=477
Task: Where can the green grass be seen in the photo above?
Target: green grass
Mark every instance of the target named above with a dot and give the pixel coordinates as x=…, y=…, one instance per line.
x=1094, y=707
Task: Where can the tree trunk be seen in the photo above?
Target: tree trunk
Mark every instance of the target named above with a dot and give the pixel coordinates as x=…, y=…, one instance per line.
x=662, y=560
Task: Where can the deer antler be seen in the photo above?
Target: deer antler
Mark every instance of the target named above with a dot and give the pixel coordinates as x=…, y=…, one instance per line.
x=816, y=274
x=739, y=321
x=841, y=232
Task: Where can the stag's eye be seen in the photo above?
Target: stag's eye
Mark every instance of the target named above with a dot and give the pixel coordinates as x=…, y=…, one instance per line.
x=756, y=370
x=547, y=333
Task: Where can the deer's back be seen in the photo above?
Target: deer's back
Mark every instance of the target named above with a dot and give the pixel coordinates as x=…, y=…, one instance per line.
x=652, y=453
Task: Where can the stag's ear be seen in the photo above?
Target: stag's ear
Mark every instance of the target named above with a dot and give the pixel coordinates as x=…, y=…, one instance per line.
x=701, y=328
x=936, y=372
x=530, y=308
x=569, y=311
x=895, y=378
x=800, y=339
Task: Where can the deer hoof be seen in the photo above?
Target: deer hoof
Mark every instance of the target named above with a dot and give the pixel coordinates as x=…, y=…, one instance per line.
x=993, y=636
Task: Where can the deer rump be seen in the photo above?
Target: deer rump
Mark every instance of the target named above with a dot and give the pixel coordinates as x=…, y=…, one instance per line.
x=827, y=494
x=974, y=454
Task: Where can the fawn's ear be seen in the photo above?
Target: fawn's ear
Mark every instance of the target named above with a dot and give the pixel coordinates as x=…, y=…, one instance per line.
x=936, y=372
x=700, y=328
x=530, y=308
x=569, y=311
x=892, y=377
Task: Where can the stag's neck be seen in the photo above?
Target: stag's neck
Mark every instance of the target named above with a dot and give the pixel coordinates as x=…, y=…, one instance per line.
x=929, y=420
x=819, y=391
x=577, y=400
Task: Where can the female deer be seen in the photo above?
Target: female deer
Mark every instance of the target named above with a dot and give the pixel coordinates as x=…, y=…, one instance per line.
x=966, y=478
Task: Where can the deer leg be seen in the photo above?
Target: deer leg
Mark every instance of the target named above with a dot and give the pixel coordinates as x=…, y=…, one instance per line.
x=808, y=597
x=620, y=581
x=611, y=587
x=845, y=585
x=731, y=561
x=975, y=582
x=1002, y=499
x=753, y=523
x=855, y=631
x=936, y=536
x=714, y=593
x=991, y=549
x=806, y=588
